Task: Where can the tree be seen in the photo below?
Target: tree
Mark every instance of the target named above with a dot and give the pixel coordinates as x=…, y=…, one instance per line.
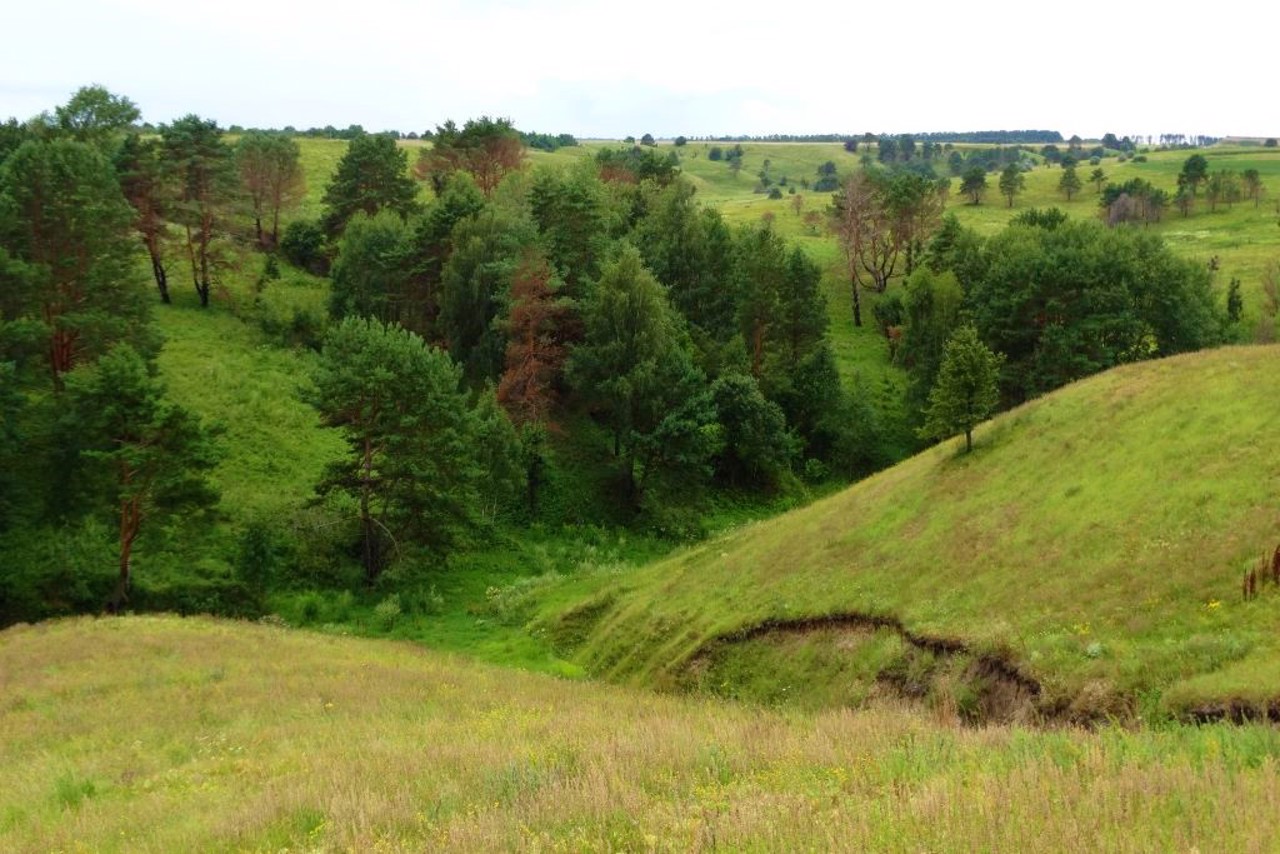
x=572, y=215
x=1252, y=185
x=967, y=390
x=372, y=276
x=1098, y=177
x=372, y=175
x=474, y=286
x=1222, y=186
x=974, y=184
x=913, y=205
x=863, y=236
x=536, y=332
x=681, y=141
x=1069, y=184
x=271, y=173
x=931, y=313
x=1184, y=199
x=149, y=455
x=1195, y=170
x=634, y=369
x=72, y=273
x=647, y=139
x=757, y=448
x=1067, y=301
x=95, y=116
x=147, y=187
x=411, y=435
x=488, y=149
x=1012, y=182
x=203, y=168
x=690, y=250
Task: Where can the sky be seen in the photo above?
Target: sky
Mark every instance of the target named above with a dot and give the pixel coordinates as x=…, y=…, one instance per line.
x=666, y=67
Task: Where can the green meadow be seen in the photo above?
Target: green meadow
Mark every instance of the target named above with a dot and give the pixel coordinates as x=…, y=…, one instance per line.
x=160, y=734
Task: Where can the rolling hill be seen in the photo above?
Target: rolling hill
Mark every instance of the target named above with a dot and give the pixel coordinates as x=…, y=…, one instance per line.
x=1085, y=561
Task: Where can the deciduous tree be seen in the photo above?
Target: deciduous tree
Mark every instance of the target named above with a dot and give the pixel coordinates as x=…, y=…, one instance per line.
x=1069, y=184
x=974, y=184
x=271, y=173
x=488, y=149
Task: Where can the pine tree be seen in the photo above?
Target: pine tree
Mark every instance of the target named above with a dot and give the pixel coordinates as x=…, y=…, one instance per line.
x=967, y=390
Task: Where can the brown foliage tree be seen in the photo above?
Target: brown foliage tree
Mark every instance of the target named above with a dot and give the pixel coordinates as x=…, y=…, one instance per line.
x=538, y=325
x=486, y=148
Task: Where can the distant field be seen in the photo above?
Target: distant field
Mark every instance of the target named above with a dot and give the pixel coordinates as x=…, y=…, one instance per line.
x=158, y=734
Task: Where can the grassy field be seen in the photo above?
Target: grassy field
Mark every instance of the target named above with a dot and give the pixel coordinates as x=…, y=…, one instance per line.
x=156, y=734
x=1094, y=542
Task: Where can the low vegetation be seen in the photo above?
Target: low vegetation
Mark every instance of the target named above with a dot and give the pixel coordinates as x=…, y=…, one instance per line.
x=159, y=734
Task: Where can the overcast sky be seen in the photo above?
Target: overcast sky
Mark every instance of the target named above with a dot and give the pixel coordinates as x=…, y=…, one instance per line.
x=666, y=67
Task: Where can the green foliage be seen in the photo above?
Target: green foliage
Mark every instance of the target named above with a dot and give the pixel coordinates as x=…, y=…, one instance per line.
x=204, y=170
x=412, y=463
x=689, y=249
x=95, y=116
x=632, y=165
x=974, y=184
x=1195, y=170
x=634, y=369
x=573, y=218
x=303, y=246
x=68, y=261
x=1065, y=302
x=372, y=175
x=1069, y=184
x=475, y=286
x=756, y=447
x=372, y=276
x=1012, y=182
x=271, y=174
x=932, y=311
x=146, y=457
x=487, y=149
x=967, y=390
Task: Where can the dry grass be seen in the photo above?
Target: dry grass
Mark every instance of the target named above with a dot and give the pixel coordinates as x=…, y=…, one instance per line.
x=159, y=734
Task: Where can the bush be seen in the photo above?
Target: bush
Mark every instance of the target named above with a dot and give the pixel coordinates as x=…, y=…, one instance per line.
x=303, y=246
x=716, y=153
x=775, y=193
x=387, y=612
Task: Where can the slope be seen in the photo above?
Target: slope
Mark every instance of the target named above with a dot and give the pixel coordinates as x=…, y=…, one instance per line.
x=1092, y=546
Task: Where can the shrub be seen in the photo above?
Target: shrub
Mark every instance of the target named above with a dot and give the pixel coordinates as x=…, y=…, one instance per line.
x=387, y=612
x=303, y=246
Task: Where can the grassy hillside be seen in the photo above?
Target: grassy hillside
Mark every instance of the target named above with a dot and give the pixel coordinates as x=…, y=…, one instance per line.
x=146, y=734
x=1093, y=544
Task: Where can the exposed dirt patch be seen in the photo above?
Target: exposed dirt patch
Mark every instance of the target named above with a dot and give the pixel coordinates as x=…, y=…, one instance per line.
x=943, y=673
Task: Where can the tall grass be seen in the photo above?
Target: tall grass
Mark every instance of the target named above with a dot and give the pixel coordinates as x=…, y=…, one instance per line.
x=158, y=734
